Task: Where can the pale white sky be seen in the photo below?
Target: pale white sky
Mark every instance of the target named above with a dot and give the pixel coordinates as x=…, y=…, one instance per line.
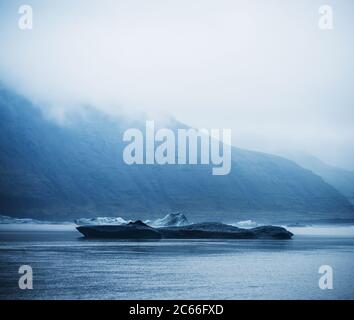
x=262, y=68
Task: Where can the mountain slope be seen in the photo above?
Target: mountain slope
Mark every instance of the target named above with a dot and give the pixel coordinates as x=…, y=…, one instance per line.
x=65, y=172
x=341, y=179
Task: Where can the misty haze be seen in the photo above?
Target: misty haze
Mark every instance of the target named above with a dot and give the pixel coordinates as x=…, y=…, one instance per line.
x=89, y=193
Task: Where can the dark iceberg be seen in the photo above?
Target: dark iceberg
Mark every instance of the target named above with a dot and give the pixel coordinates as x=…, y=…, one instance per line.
x=207, y=230
x=131, y=230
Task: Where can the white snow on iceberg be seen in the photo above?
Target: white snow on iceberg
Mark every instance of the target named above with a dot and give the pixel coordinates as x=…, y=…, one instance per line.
x=171, y=220
x=101, y=221
x=245, y=224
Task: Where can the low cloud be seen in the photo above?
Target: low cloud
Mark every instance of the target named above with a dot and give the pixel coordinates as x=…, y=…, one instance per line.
x=263, y=69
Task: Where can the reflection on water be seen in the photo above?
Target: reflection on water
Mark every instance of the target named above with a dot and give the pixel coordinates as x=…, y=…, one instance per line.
x=67, y=266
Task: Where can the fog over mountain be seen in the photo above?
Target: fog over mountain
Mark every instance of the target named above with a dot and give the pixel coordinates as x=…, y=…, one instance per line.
x=341, y=179
x=88, y=70
x=271, y=75
x=63, y=172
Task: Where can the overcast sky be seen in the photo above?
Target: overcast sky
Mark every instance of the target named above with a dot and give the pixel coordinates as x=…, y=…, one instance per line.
x=262, y=68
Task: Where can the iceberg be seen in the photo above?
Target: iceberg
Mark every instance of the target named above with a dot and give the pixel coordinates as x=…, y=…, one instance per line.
x=207, y=230
x=171, y=220
x=10, y=220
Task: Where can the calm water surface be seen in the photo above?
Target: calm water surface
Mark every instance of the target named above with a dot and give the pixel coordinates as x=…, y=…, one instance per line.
x=66, y=266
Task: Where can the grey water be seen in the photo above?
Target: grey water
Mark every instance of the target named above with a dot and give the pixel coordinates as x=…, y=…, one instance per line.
x=66, y=266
